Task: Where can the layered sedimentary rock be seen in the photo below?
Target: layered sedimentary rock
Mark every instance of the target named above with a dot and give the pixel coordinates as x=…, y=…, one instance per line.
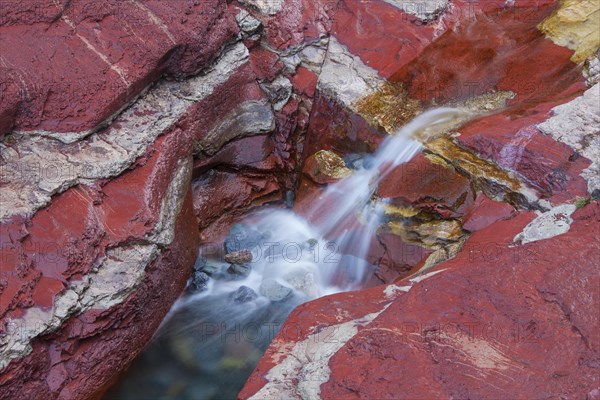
x=154, y=127
x=495, y=298
x=94, y=58
x=498, y=321
x=134, y=131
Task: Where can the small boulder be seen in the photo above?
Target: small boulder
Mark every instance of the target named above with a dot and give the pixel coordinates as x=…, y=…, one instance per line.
x=243, y=294
x=200, y=263
x=325, y=167
x=198, y=282
x=242, y=237
x=274, y=290
x=303, y=280
x=239, y=270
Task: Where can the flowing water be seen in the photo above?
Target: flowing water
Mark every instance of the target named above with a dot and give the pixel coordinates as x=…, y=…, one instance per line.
x=212, y=339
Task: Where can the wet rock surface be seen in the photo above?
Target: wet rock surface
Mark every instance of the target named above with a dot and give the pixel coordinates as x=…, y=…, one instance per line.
x=492, y=212
x=239, y=270
x=238, y=257
x=243, y=295
x=275, y=290
x=133, y=132
x=325, y=167
x=241, y=239
x=198, y=281
x=488, y=330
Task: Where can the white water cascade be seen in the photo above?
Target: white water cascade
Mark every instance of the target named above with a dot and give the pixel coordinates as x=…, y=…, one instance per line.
x=302, y=256
x=221, y=331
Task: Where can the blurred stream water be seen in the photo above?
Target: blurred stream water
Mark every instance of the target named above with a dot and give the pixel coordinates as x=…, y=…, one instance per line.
x=214, y=336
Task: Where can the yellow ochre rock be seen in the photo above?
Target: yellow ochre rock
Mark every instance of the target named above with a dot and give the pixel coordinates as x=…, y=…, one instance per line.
x=575, y=25
x=431, y=234
x=325, y=166
x=389, y=107
x=391, y=210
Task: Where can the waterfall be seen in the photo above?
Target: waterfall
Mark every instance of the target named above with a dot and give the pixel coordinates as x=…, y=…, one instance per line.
x=222, y=330
x=300, y=255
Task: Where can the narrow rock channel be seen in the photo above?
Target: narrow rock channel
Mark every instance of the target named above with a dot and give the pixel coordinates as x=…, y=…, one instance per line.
x=299, y=199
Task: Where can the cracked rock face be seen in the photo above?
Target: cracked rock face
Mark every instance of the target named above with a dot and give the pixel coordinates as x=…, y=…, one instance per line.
x=490, y=241
x=112, y=52
x=577, y=124
x=157, y=126
x=418, y=338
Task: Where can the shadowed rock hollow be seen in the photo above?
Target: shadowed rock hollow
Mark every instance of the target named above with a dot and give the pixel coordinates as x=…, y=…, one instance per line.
x=135, y=132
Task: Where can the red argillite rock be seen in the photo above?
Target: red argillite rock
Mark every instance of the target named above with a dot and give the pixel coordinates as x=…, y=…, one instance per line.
x=425, y=185
x=132, y=130
x=76, y=63
x=88, y=278
x=498, y=321
x=99, y=217
x=98, y=229
x=513, y=312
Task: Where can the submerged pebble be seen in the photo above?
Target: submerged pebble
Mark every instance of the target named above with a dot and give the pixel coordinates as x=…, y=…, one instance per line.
x=200, y=263
x=242, y=237
x=198, y=282
x=210, y=269
x=241, y=270
x=244, y=294
x=274, y=290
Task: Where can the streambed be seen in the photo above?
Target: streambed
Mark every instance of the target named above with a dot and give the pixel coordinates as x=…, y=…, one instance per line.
x=235, y=303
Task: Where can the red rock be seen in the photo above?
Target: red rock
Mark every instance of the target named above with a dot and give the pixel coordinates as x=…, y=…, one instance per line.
x=220, y=192
x=422, y=184
x=399, y=259
x=485, y=212
x=111, y=51
x=359, y=25
x=238, y=257
x=288, y=139
x=550, y=167
x=239, y=87
x=299, y=21
x=305, y=81
x=68, y=358
x=306, y=192
x=265, y=64
x=332, y=127
x=256, y=152
x=51, y=250
x=61, y=243
x=66, y=238
x=492, y=50
x=516, y=313
x=10, y=101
